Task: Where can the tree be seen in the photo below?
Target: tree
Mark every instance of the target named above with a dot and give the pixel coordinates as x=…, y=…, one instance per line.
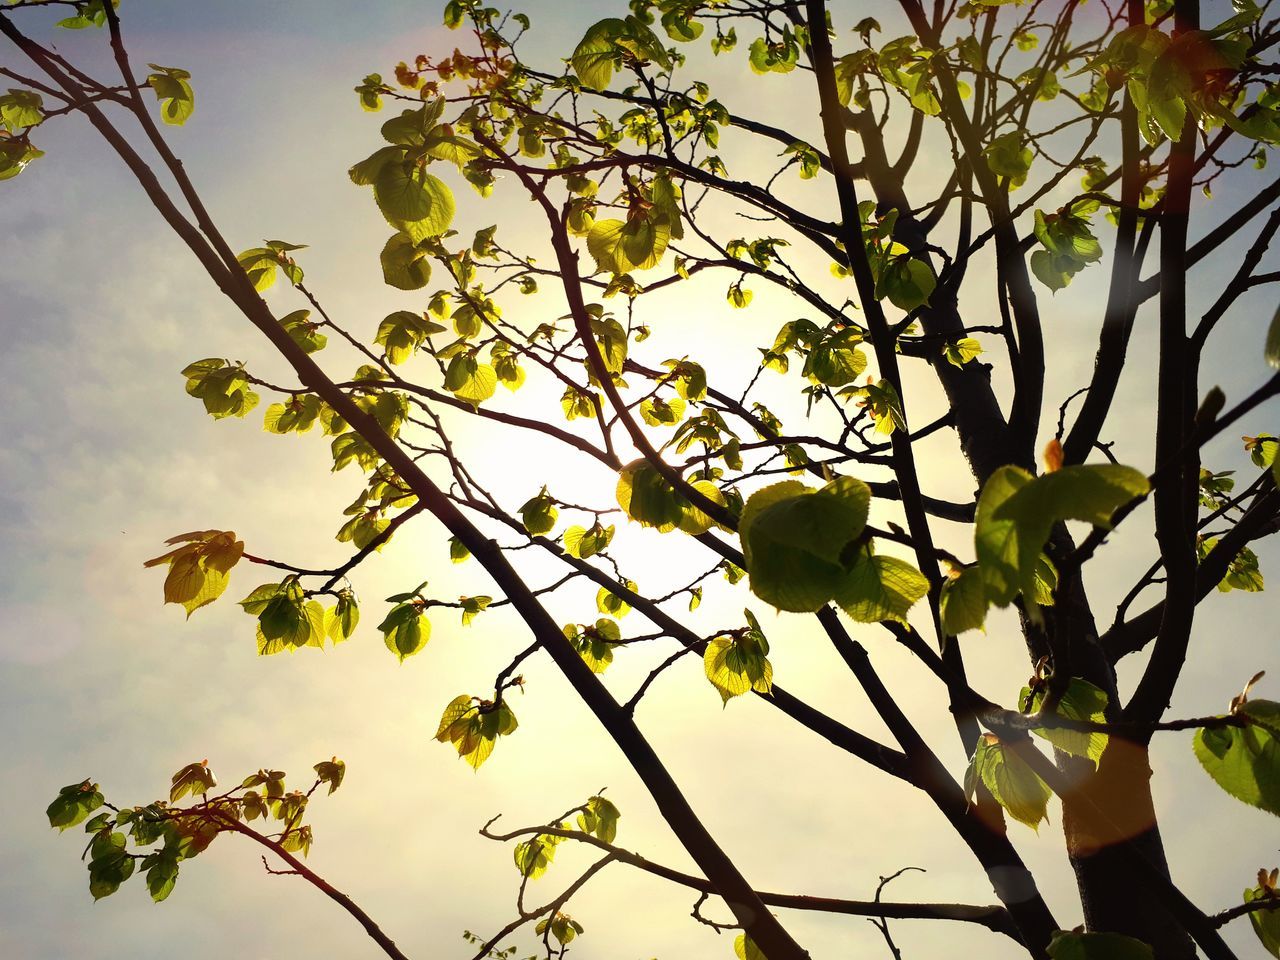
x=618, y=155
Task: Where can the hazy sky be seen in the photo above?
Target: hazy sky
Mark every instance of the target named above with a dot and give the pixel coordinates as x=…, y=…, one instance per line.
x=103, y=457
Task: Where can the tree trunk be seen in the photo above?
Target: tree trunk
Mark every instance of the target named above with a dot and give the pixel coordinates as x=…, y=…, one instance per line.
x=1113, y=894
x=1110, y=804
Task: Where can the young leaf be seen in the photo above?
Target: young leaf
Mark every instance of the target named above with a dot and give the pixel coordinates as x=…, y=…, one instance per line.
x=1081, y=701
x=1015, y=786
x=595, y=643
x=745, y=949
x=1017, y=511
x=878, y=588
x=1071, y=945
x=611, y=604
x=1266, y=923
x=735, y=665
x=73, y=804
x=192, y=779
x=331, y=772
x=406, y=629
x=173, y=89
x=538, y=514
x=1245, y=761
x=473, y=727
x=797, y=540
x=600, y=819
x=646, y=496
x=162, y=873
x=963, y=602
x=596, y=55
x=198, y=568
x=532, y=857
x=637, y=244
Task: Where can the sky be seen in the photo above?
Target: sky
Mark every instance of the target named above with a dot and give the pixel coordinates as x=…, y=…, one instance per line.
x=104, y=457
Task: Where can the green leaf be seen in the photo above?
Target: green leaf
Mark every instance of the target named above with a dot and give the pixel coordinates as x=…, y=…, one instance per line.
x=284, y=621
x=194, y=778
x=1266, y=923
x=637, y=244
x=14, y=157
x=582, y=543
x=222, y=387
x=458, y=552
x=331, y=772
x=692, y=520
x=795, y=540
x=198, y=569
x=1097, y=946
x=882, y=402
x=657, y=412
x=1016, y=513
x=690, y=378
x=1081, y=701
x=474, y=727
x=262, y=264
x=963, y=602
x=907, y=282
x=563, y=927
x=600, y=819
x=961, y=351
x=539, y=514
x=257, y=601
x=413, y=200
x=370, y=91
x=1015, y=786
x=405, y=630
x=611, y=604
x=341, y=620
x=1007, y=156
x=162, y=873
x=1069, y=246
x=1245, y=761
x=298, y=414
x=412, y=127
x=595, y=643
x=612, y=340
x=681, y=26
x=880, y=588
x=735, y=665
x=365, y=173
x=777, y=57
x=403, y=333
x=469, y=379
x=646, y=496
x=173, y=89
x=21, y=108
x=1242, y=572
x=596, y=54
x=110, y=865
x=745, y=949
x=1262, y=449
x=404, y=265
x=608, y=43
x=473, y=607
x=73, y=804
x=533, y=856
x=303, y=332
x=834, y=364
